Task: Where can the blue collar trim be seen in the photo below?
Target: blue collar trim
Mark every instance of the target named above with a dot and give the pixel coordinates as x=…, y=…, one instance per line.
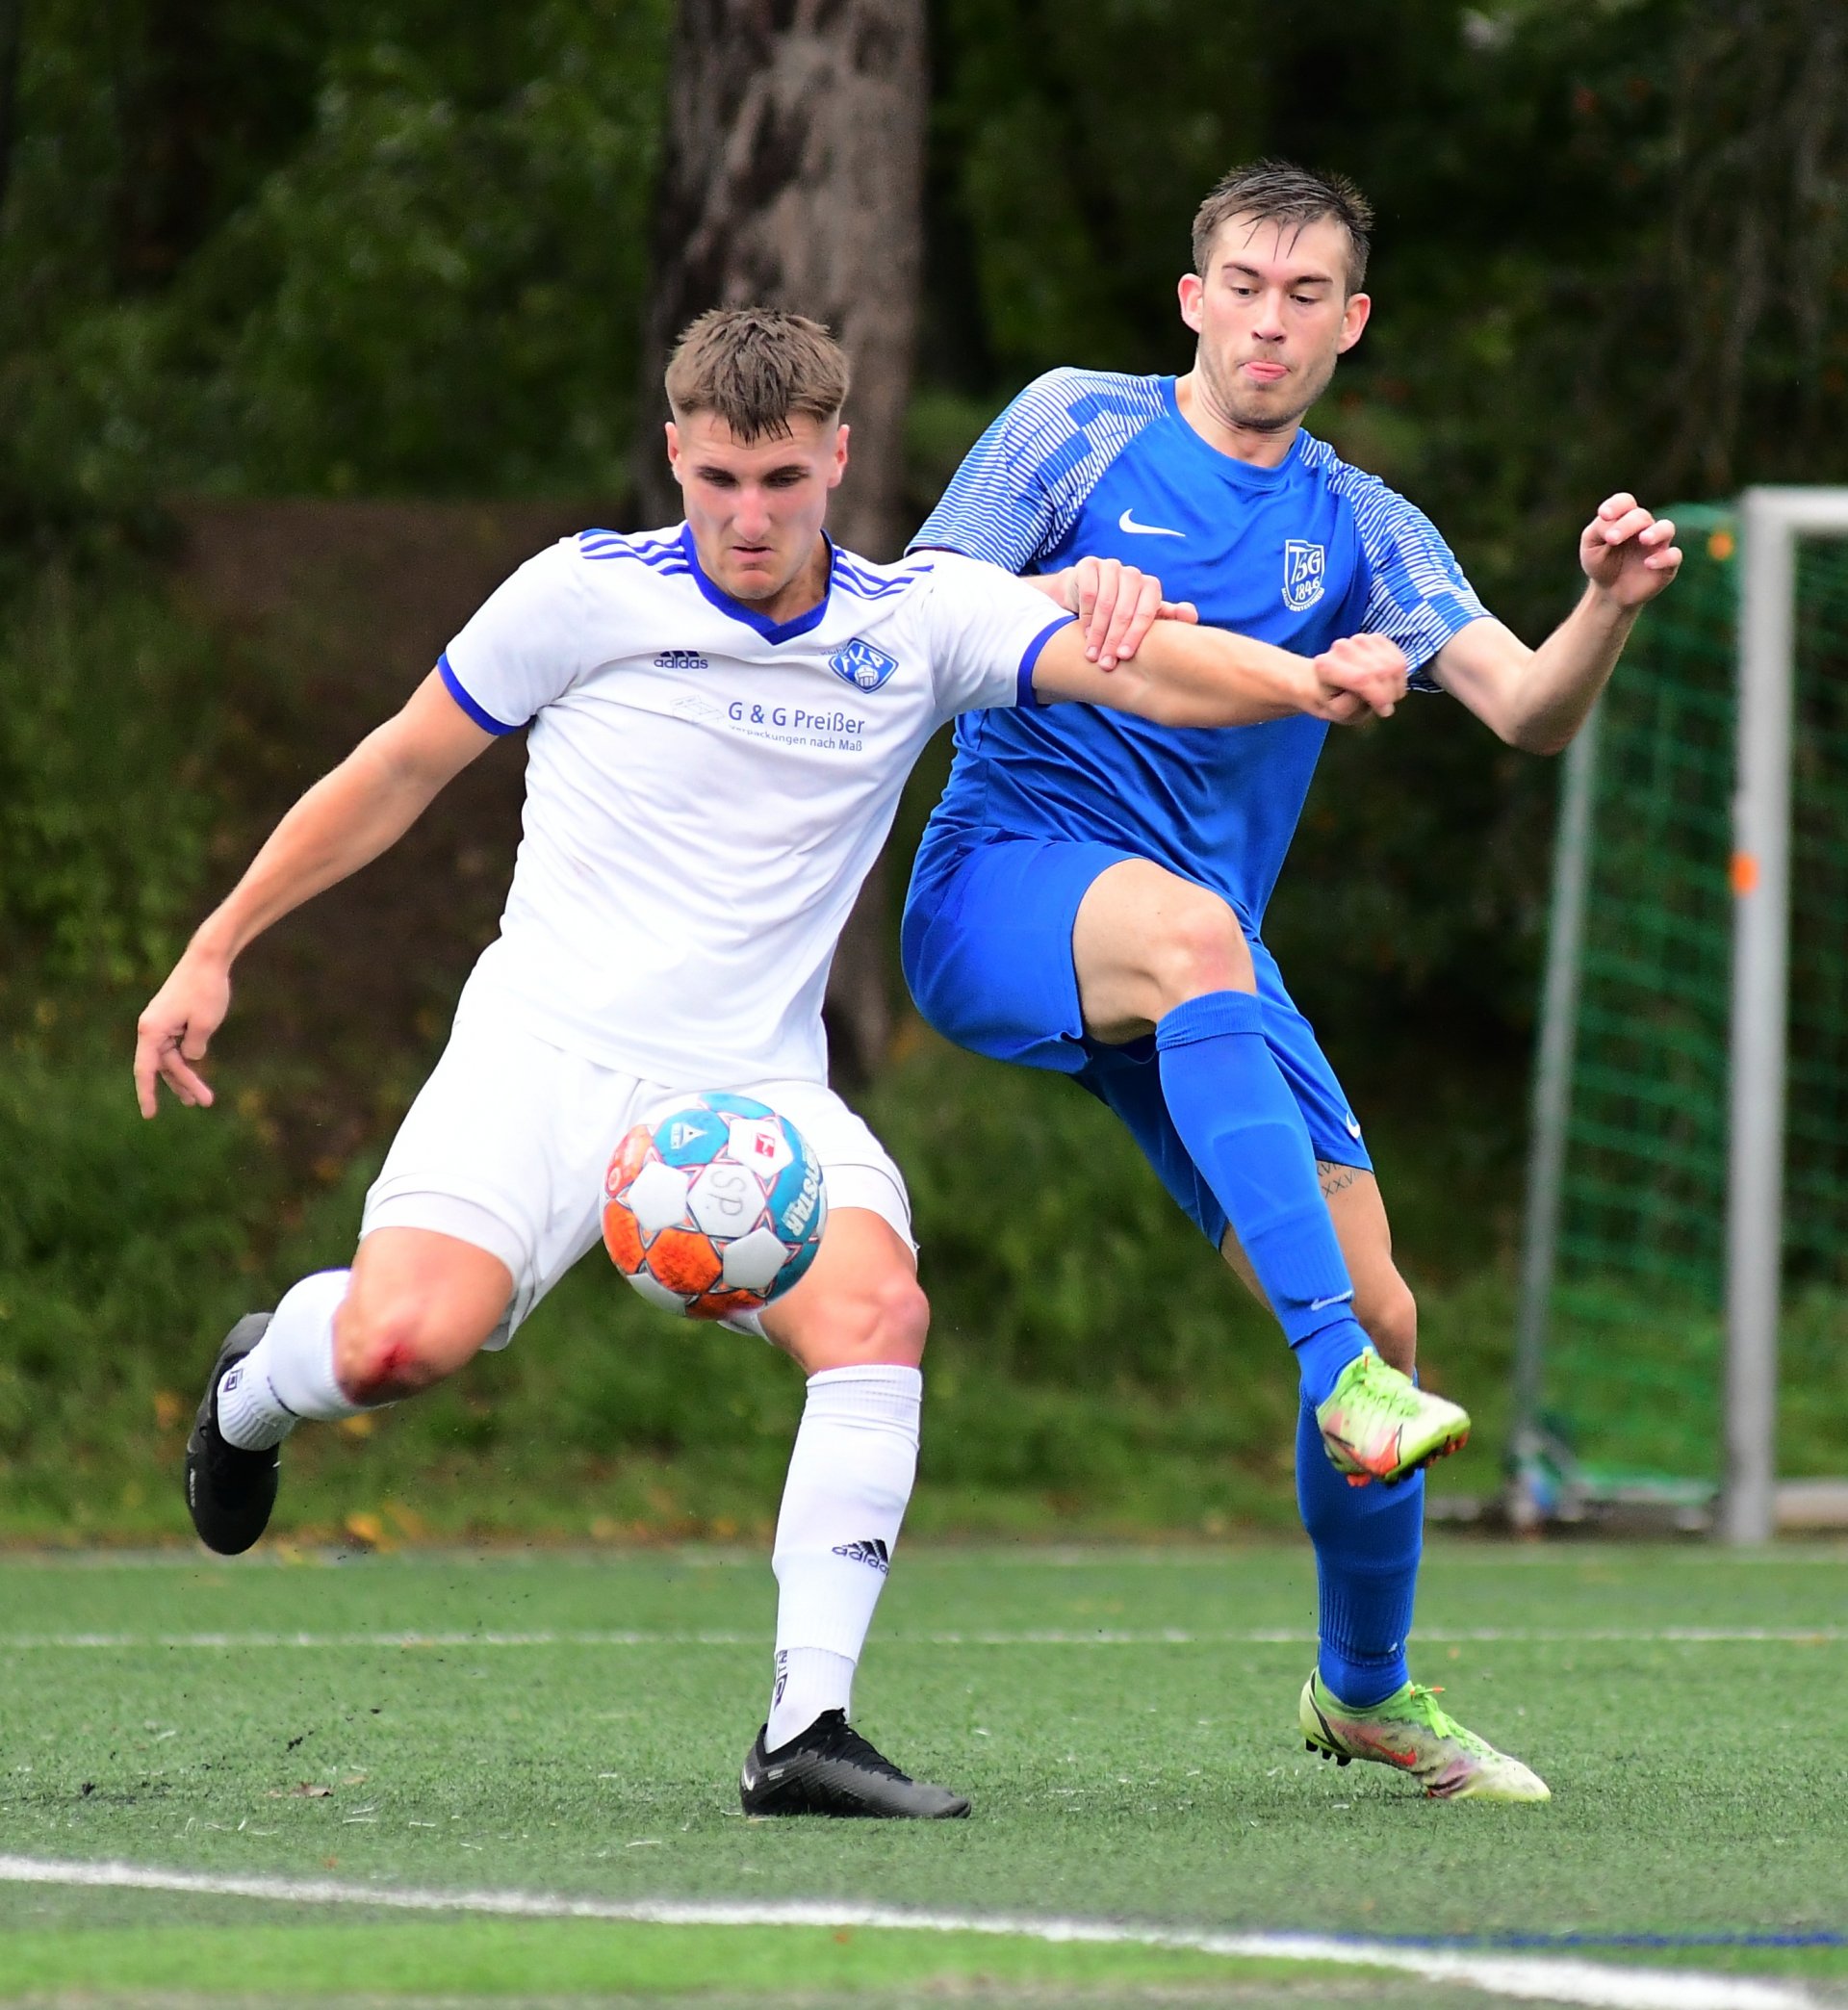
x=772, y=631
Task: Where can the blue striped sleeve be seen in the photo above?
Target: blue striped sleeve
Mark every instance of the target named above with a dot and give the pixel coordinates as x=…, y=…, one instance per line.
x=486, y=720
x=1418, y=596
x=1017, y=494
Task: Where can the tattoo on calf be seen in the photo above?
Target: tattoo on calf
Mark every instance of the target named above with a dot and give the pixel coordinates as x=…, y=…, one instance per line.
x=1335, y=1180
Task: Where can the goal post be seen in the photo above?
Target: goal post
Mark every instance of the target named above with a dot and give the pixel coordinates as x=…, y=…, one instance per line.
x=1772, y=520
x=1671, y=1205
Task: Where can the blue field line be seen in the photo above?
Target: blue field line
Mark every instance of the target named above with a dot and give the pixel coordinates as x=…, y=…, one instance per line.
x=1652, y=1943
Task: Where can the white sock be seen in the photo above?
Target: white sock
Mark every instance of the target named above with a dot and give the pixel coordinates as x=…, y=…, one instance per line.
x=810, y=1680
x=850, y=1481
x=290, y=1372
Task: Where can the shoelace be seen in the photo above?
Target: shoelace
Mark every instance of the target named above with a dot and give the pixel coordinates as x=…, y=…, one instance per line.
x=840, y=1740
x=1386, y=1386
x=1422, y=1704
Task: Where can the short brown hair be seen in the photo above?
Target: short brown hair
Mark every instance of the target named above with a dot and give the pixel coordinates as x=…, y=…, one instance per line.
x=758, y=368
x=1276, y=192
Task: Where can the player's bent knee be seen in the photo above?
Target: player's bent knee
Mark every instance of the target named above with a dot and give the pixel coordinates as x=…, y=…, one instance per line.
x=1200, y=948
x=893, y=1321
x=385, y=1351
x=882, y=1321
x=903, y=1319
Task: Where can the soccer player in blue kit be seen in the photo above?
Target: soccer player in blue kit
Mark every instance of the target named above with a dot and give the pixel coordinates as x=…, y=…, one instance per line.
x=1090, y=893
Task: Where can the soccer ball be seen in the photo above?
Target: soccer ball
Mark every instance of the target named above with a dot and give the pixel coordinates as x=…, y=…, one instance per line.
x=714, y=1206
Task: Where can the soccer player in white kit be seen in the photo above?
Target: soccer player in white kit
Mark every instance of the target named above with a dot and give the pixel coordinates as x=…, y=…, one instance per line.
x=720, y=719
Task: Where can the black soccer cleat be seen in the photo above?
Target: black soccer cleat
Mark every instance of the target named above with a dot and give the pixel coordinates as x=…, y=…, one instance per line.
x=229, y=1491
x=830, y=1770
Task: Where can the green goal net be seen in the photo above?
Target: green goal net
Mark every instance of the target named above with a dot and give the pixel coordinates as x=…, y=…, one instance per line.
x=1629, y=1383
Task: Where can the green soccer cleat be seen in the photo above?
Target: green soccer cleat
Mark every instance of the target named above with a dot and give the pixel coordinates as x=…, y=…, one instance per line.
x=1410, y=1732
x=1378, y=1424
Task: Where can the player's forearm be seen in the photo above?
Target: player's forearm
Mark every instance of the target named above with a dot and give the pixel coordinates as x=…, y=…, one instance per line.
x=1184, y=675
x=1565, y=675
x=344, y=822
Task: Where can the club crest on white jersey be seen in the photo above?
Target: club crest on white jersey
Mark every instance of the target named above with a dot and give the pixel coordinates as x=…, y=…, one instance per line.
x=862, y=665
x=1305, y=574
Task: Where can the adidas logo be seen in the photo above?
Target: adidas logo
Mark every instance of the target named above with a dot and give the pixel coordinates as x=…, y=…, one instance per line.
x=873, y=1553
x=680, y=659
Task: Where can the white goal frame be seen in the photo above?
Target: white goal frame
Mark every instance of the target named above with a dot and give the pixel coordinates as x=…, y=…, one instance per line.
x=1771, y=522
x=1752, y=1503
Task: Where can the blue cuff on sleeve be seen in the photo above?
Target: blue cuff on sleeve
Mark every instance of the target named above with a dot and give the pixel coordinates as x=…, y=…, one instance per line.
x=1026, y=694
x=487, y=722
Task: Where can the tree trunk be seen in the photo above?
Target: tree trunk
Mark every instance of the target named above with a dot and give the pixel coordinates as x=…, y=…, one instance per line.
x=792, y=177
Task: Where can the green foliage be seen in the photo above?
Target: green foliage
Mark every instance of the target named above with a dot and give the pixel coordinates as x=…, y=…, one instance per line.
x=1608, y=253
x=386, y=247
x=433, y=289
x=108, y=727
x=376, y=245
x=121, y=1246
x=127, y=1248
x=1092, y=1364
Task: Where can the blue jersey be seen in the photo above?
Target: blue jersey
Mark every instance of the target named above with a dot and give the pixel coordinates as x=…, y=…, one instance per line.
x=1085, y=463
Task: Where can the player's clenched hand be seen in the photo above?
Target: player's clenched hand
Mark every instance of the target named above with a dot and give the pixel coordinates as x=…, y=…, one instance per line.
x=1117, y=604
x=176, y=1028
x=1358, y=675
x=1627, y=552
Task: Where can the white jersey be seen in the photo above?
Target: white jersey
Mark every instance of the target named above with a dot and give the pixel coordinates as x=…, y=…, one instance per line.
x=706, y=788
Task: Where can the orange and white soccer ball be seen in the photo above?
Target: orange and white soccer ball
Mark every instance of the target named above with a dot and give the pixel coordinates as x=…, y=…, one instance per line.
x=714, y=1207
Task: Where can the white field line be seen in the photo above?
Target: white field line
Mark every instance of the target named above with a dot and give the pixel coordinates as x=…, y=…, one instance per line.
x=1165, y=1636
x=1532, y=1979
x=1463, y=1554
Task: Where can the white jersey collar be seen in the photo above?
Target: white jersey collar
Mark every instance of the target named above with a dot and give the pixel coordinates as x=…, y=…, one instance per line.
x=772, y=631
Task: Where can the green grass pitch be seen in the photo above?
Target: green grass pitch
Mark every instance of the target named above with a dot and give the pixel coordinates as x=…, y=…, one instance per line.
x=571, y=1727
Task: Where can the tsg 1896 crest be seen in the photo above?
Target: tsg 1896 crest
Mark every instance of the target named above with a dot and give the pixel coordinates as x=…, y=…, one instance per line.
x=1305, y=573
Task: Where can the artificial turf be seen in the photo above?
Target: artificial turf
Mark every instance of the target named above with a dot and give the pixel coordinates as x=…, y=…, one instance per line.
x=1124, y=1721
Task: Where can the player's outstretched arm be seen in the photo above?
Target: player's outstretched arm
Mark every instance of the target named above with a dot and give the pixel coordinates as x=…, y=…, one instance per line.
x=1187, y=676
x=1117, y=605
x=1537, y=699
x=350, y=815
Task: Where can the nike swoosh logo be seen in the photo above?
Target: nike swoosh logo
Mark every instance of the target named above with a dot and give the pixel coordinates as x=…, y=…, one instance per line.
x=1126, y=522
x=1353, y=1129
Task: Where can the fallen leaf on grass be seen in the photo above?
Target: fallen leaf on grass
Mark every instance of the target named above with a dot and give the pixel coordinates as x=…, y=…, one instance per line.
x=368, y=1531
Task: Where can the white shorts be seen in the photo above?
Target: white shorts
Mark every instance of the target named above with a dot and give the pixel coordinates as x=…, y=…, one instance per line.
x=507, y=1143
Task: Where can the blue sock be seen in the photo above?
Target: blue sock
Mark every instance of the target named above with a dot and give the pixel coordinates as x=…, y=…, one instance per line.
x=1237, y=1117
x=1368, y=1540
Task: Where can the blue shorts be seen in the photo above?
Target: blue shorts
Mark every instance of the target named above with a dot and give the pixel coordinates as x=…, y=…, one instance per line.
x=986, y=946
